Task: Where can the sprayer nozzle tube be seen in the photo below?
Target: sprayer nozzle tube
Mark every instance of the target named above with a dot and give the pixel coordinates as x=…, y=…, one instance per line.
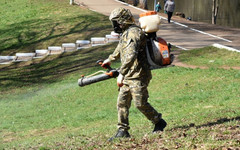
x=94, y=79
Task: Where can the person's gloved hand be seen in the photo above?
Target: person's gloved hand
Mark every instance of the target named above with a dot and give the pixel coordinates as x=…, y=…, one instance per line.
x=120, y=80
x=105, y=63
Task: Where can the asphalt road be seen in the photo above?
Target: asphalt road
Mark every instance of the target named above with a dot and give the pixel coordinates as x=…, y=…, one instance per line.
x=181, y=32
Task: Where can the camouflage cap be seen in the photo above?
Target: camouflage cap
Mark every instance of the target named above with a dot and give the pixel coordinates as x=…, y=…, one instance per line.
x=122, y=16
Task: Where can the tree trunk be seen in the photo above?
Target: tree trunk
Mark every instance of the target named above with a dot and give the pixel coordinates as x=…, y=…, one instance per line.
x=215, y=11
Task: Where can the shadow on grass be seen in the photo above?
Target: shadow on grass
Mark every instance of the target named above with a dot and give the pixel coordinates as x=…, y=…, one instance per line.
x=38, y=33
x=52, y=68
x=209, y=124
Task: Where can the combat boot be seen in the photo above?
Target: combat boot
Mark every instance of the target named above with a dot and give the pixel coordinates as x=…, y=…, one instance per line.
x=160, y=125
x=120, y=134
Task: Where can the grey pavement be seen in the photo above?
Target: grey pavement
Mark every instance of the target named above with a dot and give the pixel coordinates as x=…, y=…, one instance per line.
x=181, y=33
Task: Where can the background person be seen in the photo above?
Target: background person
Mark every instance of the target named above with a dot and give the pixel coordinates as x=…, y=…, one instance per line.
x=158, y=7
x=169, y=8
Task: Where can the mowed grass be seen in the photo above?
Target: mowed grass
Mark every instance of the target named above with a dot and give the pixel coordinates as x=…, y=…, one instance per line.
x=211, y=57
x=42, y=106
x=27, y=25
x=201, y=107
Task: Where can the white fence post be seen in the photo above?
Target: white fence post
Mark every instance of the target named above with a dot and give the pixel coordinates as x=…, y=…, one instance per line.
x=71, y=2
x=154, y=5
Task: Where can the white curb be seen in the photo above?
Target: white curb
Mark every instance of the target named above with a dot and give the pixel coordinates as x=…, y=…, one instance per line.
x=82, y=44
x=6, y=59
x=41, y=53
x=96, y=41
x=69, y=47
x=53, y=50
x=225, y=47
x=25, y=54
x=110, y=38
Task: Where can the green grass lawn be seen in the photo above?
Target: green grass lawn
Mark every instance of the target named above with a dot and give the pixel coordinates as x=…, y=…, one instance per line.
x=211, y=57
x=27, y=25
x=42, y=106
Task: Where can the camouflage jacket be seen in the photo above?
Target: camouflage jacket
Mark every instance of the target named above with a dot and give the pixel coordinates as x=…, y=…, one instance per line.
x=131, y=50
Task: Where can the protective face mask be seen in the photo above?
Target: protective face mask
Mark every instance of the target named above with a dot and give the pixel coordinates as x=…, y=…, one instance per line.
x=116, y=27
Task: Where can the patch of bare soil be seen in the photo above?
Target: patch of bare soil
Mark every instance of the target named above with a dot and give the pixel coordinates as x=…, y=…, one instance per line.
x=179, y=138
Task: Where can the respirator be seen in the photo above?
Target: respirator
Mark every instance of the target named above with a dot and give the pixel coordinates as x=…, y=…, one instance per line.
x=116, y=27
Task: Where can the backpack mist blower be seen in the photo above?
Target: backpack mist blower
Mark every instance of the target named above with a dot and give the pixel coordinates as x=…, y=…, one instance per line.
x=96, y=77
x=157, y=50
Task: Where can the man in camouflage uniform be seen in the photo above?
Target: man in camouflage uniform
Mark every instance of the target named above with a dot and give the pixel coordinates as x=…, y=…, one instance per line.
x=134, y=73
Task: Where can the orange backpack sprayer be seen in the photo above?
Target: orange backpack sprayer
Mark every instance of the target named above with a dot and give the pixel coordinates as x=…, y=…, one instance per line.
x=158, y=51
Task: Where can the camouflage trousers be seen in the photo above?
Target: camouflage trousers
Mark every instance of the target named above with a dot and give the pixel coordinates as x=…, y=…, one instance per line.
x=136, y=91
